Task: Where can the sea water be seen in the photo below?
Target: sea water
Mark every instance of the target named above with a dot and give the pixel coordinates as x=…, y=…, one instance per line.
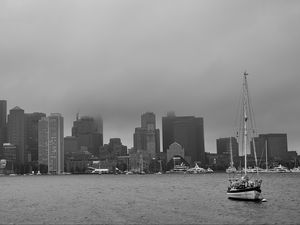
x=144, y=199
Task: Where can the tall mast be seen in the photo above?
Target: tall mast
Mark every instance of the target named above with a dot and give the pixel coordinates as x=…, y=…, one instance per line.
x=266, y=147
x=231, y=157
x=245, y=119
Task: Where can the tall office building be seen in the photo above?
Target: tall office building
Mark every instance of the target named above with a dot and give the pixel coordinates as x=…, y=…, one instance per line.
x=70, y=145
x=3, y=116
x=85, y=129
x=146, y=138
x=224, y=145
x=99, y=122
x=188, y=131
x=43, y=141
x=31, y=135
x=3, y=112
x=51, y=142
x=16, y=132
x=275, y=144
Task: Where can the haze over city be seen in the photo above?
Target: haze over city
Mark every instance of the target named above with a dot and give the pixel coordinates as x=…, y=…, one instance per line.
x=119, y=59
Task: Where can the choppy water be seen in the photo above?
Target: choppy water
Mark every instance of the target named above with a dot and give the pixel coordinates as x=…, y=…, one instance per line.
x=144, y=199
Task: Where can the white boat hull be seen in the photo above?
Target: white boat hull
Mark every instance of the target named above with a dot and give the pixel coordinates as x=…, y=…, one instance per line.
x=245, y=195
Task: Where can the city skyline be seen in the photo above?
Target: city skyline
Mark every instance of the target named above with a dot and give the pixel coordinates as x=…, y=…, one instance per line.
x=120, y=60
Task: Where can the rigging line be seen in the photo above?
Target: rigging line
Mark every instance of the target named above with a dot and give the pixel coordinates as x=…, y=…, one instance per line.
x=261, y=155
x=238, y=111
x=238, y=119
x=254, y=150
x=252, y=127
x=253, y=123
x=251, y=112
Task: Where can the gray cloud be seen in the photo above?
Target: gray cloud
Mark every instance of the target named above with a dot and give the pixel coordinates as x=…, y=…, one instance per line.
x=122, y=58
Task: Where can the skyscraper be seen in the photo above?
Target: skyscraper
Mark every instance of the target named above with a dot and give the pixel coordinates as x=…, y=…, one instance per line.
x=146, y=137
x=16, y=132
x=51, y=142
x=188, y=131
x=276, y=144
x=3, y=112
x=3, y=115
x=31, y=134
x=223, y=146
x=43, y=141
x=85, y=129
x=56, y=143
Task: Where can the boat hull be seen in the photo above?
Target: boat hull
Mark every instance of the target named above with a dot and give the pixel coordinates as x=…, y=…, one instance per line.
x=251, y=194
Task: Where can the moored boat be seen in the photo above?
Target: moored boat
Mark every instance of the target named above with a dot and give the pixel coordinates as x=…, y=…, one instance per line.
x=281, y=169
x=182, y=168
x=196, y=169
x=295, y=170
x=231, y=168
x=209, y=170
x=244, y=188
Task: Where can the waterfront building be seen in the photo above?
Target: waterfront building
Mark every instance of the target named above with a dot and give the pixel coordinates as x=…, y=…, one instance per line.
x=292, y=155
x=78, y=162
x=16, y=132
x=3, y=122
x=113, y=149
x=112, y=155
x=212, y=160
x=51, y=143
x=99, y=122
x=70, y=145
x=139, y=160
x=43, y=141
x=9, y=154
x=146, y=138
x=3, y=113
x=31, y=135
x=175, y=150
x=86, y=130
x=188, y=131
x=226, y=145
x=274, y=143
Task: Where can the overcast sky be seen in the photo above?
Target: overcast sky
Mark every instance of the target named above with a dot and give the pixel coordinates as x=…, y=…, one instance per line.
x=119, y=59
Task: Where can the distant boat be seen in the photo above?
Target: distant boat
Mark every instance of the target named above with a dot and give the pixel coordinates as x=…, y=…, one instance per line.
x=196, y=169
x=231, y=168
x=243, y=188
x=209, y=170
x=281, y=169
x=100, y=171
x=255, y=170
x=94, y=170
x=180, y=168
x=296, y=170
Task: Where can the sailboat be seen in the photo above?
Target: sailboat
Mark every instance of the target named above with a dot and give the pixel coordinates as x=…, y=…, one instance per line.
x=231, y=168
x=244, y=188
x=295, y=169
x=196, y=169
